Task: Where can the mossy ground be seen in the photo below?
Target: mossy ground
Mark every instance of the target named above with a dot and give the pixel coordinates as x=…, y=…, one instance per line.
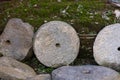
x=86, y=16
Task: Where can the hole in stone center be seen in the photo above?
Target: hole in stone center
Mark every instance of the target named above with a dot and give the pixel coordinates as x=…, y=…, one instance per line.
x=118, y=48
x=8, y=42
x=1, y=54
x=86, y=72
x=57, y=44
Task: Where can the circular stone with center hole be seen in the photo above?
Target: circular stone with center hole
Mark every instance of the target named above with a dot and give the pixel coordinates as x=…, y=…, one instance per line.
x=16, y=39
x=86, y=72
x=56, y=43
x=107, y=47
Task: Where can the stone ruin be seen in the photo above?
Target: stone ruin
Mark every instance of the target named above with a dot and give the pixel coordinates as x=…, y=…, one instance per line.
x=56, y=44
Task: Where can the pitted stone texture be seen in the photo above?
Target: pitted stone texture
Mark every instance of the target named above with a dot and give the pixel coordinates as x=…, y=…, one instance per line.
x=40, y=77
x=56, y=43
x=107, y=47
x=16, y=39
x=10, y=69
x=85, y=73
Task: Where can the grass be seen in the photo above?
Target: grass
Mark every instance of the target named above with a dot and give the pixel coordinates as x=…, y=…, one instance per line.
x=86, y=16
x=79, y=14
x=39, y=68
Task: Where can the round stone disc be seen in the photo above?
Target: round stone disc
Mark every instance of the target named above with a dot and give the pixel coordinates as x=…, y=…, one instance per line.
x=107, y=46
x=56, y=43
x=86, y=72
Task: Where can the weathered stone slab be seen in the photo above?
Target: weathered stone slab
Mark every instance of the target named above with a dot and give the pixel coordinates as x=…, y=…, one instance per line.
x=85, y=73
x=10, y=69
x=107, y=47
x=56, y=43
x=40, y=77
x=16, y=39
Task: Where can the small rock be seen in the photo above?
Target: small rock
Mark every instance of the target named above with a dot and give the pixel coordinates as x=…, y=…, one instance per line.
x=115, y=3
x=117, y=13
x=107, y=47
x=56, y=43
x=40, y=77
x=87, y=72
x=58, y=0
x=10, y=69
x=16, y=39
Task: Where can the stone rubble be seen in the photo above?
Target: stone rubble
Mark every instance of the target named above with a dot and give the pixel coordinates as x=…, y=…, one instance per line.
x=57, y=44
